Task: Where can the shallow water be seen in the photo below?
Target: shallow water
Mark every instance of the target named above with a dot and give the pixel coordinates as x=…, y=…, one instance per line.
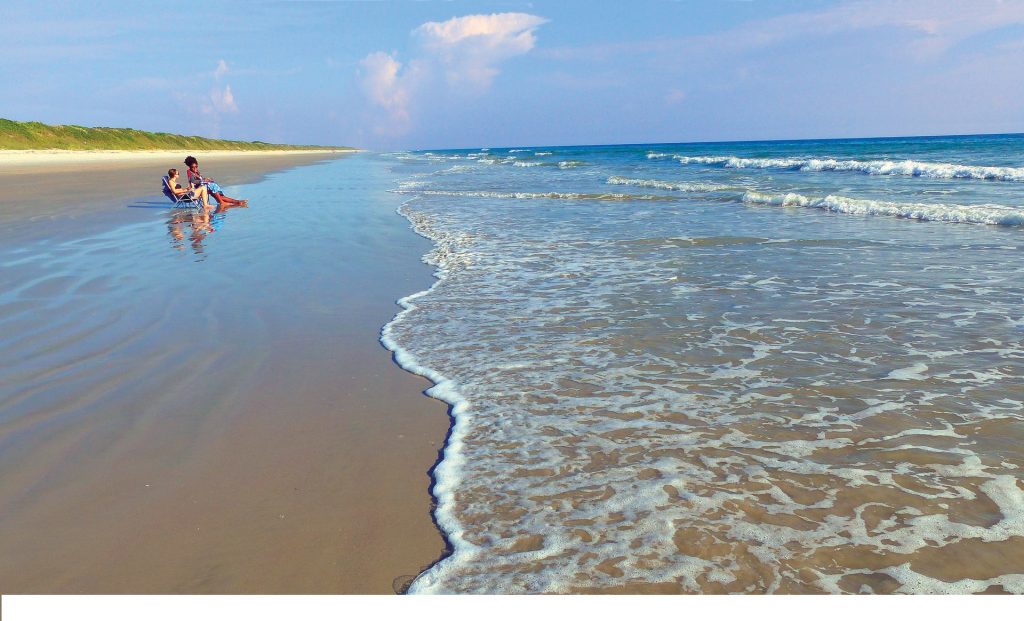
x=748, y=367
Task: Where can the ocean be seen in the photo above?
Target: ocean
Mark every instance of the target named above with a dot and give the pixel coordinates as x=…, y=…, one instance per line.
x=771, y=367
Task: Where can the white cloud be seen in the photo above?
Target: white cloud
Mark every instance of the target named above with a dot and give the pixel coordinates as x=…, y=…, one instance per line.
x=470, y=47
x=466, y=51
x=380, y=82
x=383, y=85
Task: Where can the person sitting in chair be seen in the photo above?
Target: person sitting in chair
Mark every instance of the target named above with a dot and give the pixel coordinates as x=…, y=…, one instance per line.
x=175, y=188
x=195, y=178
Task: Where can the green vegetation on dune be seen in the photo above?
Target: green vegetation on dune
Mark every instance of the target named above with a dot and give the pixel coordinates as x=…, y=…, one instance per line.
x=32, y=135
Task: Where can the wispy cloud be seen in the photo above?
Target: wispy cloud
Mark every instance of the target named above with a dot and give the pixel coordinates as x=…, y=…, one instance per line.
x=926, y=29
x=221, y=101
x=466, y=51
x=209, y=108
x=675, y=96
x=221, y=70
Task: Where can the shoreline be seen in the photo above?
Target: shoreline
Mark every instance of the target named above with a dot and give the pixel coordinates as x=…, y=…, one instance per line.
x=332, y=497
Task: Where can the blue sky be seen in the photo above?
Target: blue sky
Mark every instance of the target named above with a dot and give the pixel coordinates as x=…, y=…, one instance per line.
x=465, y=74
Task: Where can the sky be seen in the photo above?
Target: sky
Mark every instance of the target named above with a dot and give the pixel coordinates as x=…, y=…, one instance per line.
x=432, y=75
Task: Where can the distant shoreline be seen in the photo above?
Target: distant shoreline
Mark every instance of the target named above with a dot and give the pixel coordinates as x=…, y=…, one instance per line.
x=26, y=135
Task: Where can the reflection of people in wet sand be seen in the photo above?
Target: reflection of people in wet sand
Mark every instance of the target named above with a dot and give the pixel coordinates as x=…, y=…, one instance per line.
x=197, y=221
x=196, y=180
x=195, y=193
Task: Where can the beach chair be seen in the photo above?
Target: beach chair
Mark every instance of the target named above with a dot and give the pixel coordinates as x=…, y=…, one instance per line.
x=179, y=201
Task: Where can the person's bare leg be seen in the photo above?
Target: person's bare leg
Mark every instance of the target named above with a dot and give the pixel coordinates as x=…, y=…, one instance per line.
x=231, y=201
x=205, y=196
x=226, y=202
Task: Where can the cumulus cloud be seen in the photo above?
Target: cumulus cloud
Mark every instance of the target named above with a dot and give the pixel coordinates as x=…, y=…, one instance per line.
x=470, y=47
x=466, y=51
x=382, y=86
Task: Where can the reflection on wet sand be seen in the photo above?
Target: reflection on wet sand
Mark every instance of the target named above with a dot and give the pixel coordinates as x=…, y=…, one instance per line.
x=194, y=225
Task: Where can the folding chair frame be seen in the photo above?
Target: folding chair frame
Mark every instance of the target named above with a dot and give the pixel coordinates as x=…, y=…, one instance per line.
x=182, y=201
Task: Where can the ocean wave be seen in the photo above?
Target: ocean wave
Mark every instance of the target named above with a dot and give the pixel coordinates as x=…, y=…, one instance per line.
x=542, y=153
x=527, y=164
x=564, y=164
x=936, y=212
x=607, y=196
x=459, y=168
x=487, y=159
x=667, y=185
x=904, y=168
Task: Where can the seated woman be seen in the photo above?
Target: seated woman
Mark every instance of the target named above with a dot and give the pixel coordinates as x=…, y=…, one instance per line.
x=194, y=193
x=196, y=179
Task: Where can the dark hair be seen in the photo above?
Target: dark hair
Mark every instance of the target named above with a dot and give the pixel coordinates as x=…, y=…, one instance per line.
x=190, y=160
x=172, y=172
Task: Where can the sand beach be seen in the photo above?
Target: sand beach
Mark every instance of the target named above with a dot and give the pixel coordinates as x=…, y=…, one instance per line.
x=208, y=411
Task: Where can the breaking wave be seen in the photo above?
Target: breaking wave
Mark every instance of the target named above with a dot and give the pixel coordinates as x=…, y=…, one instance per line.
x=938, y=212
x=608, y=196
x=905, y=168
x=667, y=185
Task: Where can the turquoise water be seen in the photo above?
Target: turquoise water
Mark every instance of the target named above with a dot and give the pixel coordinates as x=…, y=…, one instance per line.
x=733, y=367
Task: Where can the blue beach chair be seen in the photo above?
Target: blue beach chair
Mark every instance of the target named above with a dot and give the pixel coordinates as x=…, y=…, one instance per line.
x=188, y=201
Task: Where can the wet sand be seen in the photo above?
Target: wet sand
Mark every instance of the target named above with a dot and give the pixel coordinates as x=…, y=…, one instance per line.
x=59, y=185
x=258, y=441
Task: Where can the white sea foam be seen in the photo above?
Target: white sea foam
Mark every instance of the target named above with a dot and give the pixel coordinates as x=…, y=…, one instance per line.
x=909, y=168
x=488, y=159
x=607, y=196
x=915, y=372
x=669, y=185
x=457, y=169
x=938, y=212
x=449, y=471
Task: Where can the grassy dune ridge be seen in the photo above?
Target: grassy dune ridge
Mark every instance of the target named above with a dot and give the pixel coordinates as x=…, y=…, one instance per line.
x=33, y=135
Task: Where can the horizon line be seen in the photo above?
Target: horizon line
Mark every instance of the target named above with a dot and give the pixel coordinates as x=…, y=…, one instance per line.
x=636, y=144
